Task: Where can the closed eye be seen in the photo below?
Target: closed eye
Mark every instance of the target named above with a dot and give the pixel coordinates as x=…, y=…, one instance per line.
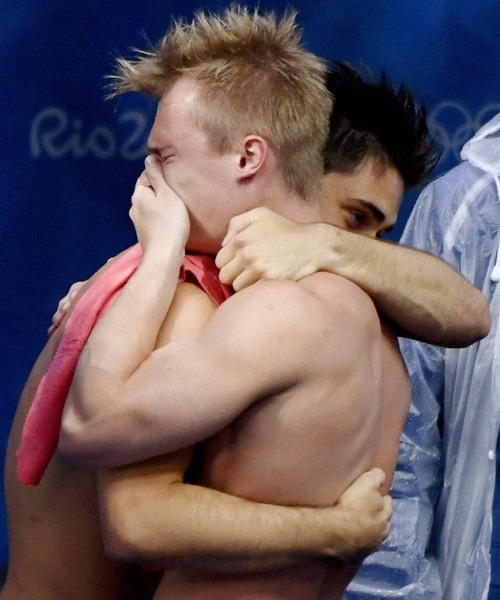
x=163, y=155
x=356, y=219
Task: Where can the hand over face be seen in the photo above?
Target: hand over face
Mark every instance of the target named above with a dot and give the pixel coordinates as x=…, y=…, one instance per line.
x=158, y=213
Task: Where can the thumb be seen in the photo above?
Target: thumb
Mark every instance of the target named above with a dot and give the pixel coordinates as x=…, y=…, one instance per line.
x=154, y=172
x=240, y=222
x=378, y=476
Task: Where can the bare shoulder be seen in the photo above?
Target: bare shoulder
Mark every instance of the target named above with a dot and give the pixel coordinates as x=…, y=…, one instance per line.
x=343, y=303
x=312, y=307
x=189, y=312
x=338, y=291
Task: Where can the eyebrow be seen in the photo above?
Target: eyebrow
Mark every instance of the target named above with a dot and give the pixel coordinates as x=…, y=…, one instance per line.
x=376, y=212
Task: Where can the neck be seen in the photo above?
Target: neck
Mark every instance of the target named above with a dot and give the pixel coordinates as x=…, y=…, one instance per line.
x=292, y=206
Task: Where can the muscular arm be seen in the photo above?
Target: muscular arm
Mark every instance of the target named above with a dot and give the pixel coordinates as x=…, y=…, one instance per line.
x=411, y=287
x=150, y=515
x=129, y=402
x=125, y=407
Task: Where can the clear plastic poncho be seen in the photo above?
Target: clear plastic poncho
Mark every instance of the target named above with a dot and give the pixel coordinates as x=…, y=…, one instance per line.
x=441, y=530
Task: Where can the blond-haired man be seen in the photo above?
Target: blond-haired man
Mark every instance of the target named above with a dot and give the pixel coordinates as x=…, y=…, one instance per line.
x=294, y=384
x=291, y=381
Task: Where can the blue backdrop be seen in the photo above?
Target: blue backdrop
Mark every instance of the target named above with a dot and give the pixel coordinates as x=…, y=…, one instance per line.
x=69, y=159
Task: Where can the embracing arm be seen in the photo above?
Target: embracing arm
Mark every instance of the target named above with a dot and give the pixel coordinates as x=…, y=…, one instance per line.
x=423, y=295
x=190, y=389
x=150, y=515
x=420, y=293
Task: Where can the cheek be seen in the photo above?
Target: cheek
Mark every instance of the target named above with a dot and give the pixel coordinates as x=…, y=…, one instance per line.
x=181, y=180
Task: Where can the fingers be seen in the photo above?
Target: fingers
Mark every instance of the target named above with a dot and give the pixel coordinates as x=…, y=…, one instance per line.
x=143, y=180
x=233, y=265
x=152, y=176
x=236, y=225
x=388, y=505
x=224, y=257
x=368, y=514
x=240, y=222
x=232, y=272
x=385, y=515
x=245, y=279
x=64, y=305
x=143, y=189
x=373, y=479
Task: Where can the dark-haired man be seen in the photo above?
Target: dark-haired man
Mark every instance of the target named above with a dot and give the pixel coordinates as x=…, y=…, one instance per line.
x=377, y=147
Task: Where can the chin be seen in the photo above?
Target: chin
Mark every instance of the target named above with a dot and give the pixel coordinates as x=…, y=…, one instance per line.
x=208, y=246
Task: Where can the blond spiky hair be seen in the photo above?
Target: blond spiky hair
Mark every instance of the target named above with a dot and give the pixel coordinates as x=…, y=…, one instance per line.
x=255, y=78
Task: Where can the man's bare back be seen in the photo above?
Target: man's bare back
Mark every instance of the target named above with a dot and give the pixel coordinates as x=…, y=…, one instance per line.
x=305, y=446
x=55, y=538
x=55, y=547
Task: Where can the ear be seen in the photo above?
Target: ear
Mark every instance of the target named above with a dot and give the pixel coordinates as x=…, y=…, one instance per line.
x=252, y=156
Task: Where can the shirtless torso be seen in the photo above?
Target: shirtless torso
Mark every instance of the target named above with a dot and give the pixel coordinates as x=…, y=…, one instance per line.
x=301, y=447
x=304, y=446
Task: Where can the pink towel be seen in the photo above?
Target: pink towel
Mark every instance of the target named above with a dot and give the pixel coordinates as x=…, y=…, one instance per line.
x=41, y=428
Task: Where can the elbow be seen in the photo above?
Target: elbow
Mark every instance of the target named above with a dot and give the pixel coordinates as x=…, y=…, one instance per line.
x=72, y=437
x=483, y=319
x=74, y=441
x=115, y=440
x=130, y=533
x=480, y=321
x=122, y=528
x=475, y=326
x=120, y=540
x=124, y=541
x=77, y=443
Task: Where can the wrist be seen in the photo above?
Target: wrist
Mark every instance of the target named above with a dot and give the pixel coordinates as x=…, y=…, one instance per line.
x=332, y=248
x=347, y=254
x=160, y=259
x=312, y=247
x=326, y=531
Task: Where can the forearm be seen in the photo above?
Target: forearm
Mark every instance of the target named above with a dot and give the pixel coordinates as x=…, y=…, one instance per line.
x=195, y=526
x=120, y=342
x=147, y=517
x=126, y=335
x=419, y=292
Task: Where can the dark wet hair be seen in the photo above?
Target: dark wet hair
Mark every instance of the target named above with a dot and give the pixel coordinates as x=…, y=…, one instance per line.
x=373, y=118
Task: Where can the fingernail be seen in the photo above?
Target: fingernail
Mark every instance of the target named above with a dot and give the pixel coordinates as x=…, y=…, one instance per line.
x=149, y=161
